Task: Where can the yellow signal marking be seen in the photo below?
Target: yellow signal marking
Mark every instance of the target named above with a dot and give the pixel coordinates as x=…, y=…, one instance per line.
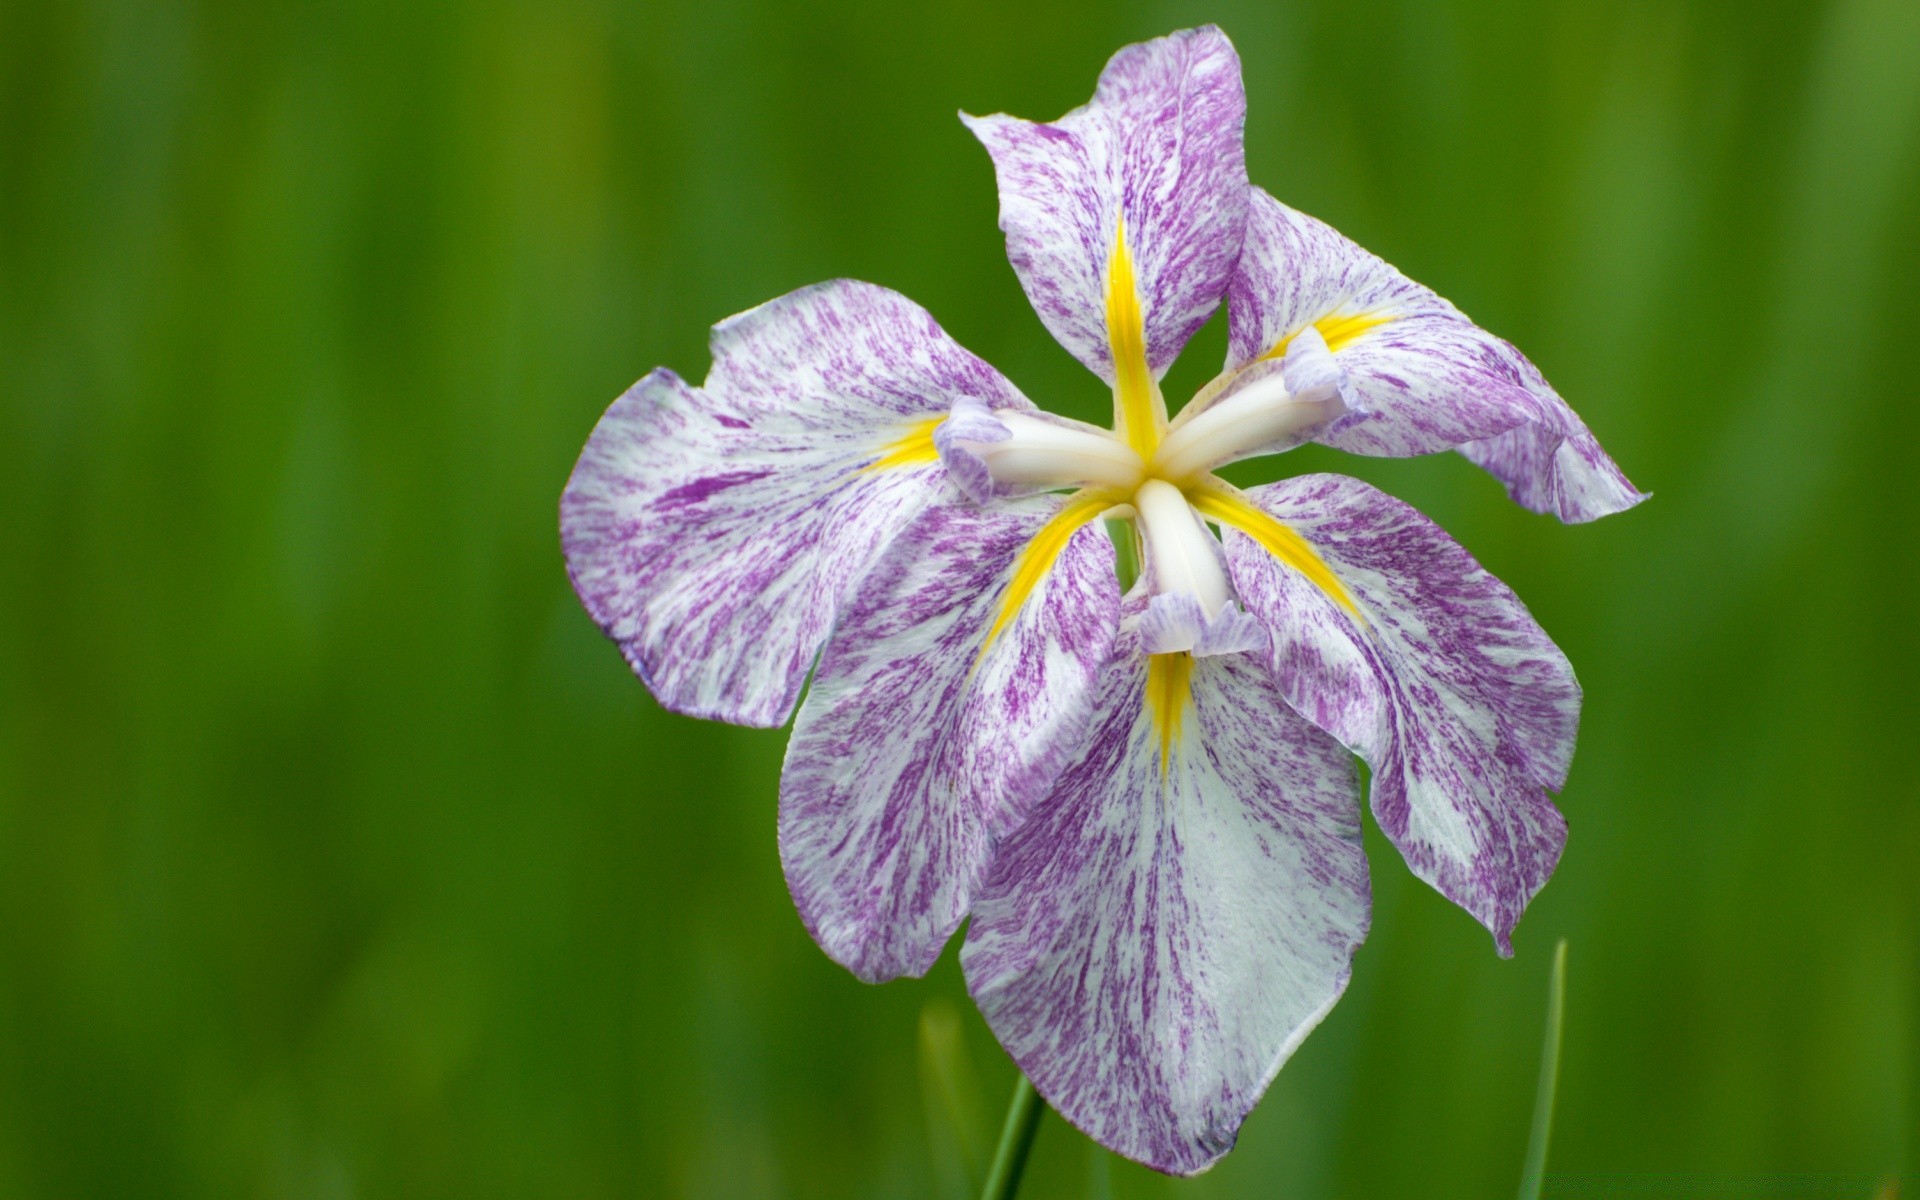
x=1340, y=330
x=1169, y=688
x=910, y=449
x=1230, y=508
x=1041, y=551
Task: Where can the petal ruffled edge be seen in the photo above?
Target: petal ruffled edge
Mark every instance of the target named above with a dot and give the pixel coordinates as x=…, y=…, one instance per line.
x=1422, y=377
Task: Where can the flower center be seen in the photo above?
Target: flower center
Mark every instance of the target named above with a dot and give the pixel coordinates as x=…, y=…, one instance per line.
x=1270, y=407
x=1028, y=451
x=1158, y=474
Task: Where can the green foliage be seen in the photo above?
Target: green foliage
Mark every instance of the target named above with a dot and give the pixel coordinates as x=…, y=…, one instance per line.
x=340, y=856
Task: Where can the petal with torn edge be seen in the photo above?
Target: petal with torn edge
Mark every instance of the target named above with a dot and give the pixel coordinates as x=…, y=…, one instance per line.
x=712, y=531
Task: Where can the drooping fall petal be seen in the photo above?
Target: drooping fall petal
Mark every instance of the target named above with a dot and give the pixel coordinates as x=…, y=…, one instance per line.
x=1463, y=708
x=1422, y=377
x=1180, y=912
x=958, y=682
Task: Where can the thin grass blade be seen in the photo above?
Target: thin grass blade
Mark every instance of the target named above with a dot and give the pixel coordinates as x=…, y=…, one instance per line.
x=1532, y=1177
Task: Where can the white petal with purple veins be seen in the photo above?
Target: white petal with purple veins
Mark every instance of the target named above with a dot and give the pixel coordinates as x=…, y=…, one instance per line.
x=914, y=750
x=712, y=531
x=1422, y=376
x=1156, y=940
x=1157, y=149
x=1461, y=705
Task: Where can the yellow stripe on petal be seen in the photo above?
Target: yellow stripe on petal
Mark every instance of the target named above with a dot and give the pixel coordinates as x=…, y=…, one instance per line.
x=911, y=449
x=1169, y=688
x=1230, y=508
x=1340, y=330
x=1040, y=553
x=1137, y=405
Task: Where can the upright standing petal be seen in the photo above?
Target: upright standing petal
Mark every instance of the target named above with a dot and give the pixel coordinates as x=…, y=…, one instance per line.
x=1421, y=376
x=1437, y=675
x=1148, y=180
x=712, y=531
x=1179, y=913
x=932, y=728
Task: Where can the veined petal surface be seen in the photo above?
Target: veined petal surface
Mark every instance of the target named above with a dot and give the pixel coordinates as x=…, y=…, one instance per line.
x=1180, y=912
x=921, y=742
x=1157, y=150
x=711, y=532
x=1463, y=708
x=1423, y=377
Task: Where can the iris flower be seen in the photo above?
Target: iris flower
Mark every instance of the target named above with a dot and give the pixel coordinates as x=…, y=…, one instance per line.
x=1147, y=804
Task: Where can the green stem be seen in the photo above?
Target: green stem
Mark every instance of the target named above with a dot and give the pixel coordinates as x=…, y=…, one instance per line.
x=1533, y=1176
x=1016, y=1139
x=1126, y=552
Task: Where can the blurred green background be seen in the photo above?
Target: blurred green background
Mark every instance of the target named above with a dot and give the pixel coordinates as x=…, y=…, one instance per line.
x=339, y=855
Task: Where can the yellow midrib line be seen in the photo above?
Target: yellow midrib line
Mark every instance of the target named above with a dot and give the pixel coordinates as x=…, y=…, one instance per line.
x=1277, y=538
x=1039, y=554
x=913, y=447
x=1169, y=687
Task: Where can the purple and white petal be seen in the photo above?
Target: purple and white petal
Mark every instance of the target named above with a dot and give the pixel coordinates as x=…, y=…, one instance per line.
x=1422, y=376
x=712, y=531
x=1156, y=940
x=914, y=751
x=1461, y=705
x=1158, y=148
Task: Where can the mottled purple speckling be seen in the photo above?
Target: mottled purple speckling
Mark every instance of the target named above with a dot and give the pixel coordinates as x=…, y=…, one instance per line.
x=919, y=745
x=1462, y=706
x=1152, y=945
